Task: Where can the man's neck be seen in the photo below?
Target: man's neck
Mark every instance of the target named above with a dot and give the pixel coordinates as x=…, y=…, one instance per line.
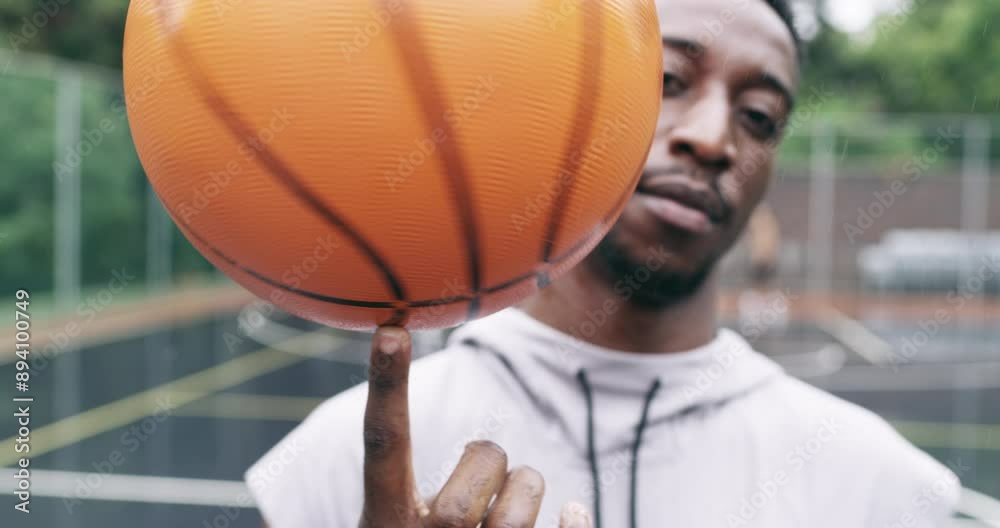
x=585, y=306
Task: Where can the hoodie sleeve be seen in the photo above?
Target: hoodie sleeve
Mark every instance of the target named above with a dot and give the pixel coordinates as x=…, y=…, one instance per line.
x=913, y=489
x=313, y=476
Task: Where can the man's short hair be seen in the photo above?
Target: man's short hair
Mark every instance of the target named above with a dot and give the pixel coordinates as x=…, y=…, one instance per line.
x=784, y=10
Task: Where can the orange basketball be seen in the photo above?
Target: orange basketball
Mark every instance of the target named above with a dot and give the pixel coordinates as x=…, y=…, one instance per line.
x=408, y=162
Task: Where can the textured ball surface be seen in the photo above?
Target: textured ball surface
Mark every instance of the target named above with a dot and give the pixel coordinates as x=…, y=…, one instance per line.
x=410, y=162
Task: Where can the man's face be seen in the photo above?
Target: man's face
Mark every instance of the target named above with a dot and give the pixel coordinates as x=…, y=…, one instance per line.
x=730, y=69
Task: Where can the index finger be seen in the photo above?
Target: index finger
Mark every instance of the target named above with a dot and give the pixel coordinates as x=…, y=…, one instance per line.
x=388, y=470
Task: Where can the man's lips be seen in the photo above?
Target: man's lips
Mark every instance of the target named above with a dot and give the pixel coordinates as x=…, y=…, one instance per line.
x=677, y=200
x=676, y=214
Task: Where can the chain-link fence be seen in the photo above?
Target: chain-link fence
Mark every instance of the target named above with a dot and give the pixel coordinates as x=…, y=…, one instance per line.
x=75, y=207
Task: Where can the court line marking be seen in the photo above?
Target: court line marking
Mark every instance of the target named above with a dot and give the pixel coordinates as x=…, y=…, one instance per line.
x=856, y=337
x=914, y=377
x=137, y=488
x=980, y=437
x=272, y=333
x=240, y=406
x=137, y=406
x=119, y=323
x=819, y=363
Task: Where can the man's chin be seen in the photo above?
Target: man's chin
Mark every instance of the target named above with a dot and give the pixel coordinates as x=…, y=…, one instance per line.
x=664, y=275
x=676, y=254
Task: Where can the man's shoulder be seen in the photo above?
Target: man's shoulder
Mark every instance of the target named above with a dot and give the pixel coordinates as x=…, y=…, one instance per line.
x=831, y=435
x=799, y=402
x=864, y=433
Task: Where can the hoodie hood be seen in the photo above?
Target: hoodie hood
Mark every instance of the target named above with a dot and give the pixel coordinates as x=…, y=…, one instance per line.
x=623, y=386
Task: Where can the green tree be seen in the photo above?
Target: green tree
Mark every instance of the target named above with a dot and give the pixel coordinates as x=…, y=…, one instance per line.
x=84, y=30
x=928, y=57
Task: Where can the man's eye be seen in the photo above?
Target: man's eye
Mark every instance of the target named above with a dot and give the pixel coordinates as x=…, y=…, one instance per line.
x=673, y=85
x=759, y=123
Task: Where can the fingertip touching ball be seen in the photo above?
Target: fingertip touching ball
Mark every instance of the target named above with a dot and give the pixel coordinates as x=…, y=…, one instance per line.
x=409, y=162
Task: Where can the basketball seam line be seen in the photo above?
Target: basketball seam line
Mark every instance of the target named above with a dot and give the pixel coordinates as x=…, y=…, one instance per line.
x=419, y=69
x=408, y=304
x=381, y=304
x=582, y=125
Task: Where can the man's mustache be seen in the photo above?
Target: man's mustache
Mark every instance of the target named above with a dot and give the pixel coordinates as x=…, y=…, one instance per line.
x=711, y=178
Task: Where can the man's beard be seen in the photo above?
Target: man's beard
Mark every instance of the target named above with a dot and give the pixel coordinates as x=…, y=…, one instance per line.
x=663, y=287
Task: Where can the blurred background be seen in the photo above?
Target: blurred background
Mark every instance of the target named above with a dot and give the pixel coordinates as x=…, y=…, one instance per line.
x=157, y=381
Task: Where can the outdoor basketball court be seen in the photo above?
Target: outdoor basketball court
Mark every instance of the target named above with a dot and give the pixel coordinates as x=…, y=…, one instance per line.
x=164, y=425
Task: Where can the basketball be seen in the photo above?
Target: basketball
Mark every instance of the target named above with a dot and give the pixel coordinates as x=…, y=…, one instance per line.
x=418, y=163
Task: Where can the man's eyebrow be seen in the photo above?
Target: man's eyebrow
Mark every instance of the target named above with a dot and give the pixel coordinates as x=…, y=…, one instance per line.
x=688, y=47
x=771, y=81
x=692, y=49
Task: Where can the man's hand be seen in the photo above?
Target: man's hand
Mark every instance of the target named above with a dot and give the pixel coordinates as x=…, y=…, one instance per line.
x=391, y=498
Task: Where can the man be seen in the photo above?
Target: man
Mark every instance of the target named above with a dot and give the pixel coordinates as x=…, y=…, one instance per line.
x=615, y=384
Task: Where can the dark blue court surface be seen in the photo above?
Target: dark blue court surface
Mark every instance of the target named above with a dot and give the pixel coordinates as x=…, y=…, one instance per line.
x=160, y=428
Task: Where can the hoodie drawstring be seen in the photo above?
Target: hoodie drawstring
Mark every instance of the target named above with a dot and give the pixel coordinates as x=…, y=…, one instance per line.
x=591, y=452
x=588, y=394
x=635, y=446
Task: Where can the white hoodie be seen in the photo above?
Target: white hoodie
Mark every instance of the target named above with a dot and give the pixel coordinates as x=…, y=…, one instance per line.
x=728, y=438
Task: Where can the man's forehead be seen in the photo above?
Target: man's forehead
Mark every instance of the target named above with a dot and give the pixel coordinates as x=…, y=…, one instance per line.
x=757, y=11
x=749, y=27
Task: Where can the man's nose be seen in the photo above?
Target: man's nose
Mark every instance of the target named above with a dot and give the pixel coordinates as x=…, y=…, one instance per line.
x=703, y=132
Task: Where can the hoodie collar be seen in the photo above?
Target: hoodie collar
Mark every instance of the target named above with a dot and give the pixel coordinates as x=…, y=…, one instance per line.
x=547, y=363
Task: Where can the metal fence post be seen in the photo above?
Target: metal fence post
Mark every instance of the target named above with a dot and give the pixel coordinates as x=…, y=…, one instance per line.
x=159, y=243
x=975, y=193
x=968, y=406
x=66, y=187
x=67, y=370
x=822, y=173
